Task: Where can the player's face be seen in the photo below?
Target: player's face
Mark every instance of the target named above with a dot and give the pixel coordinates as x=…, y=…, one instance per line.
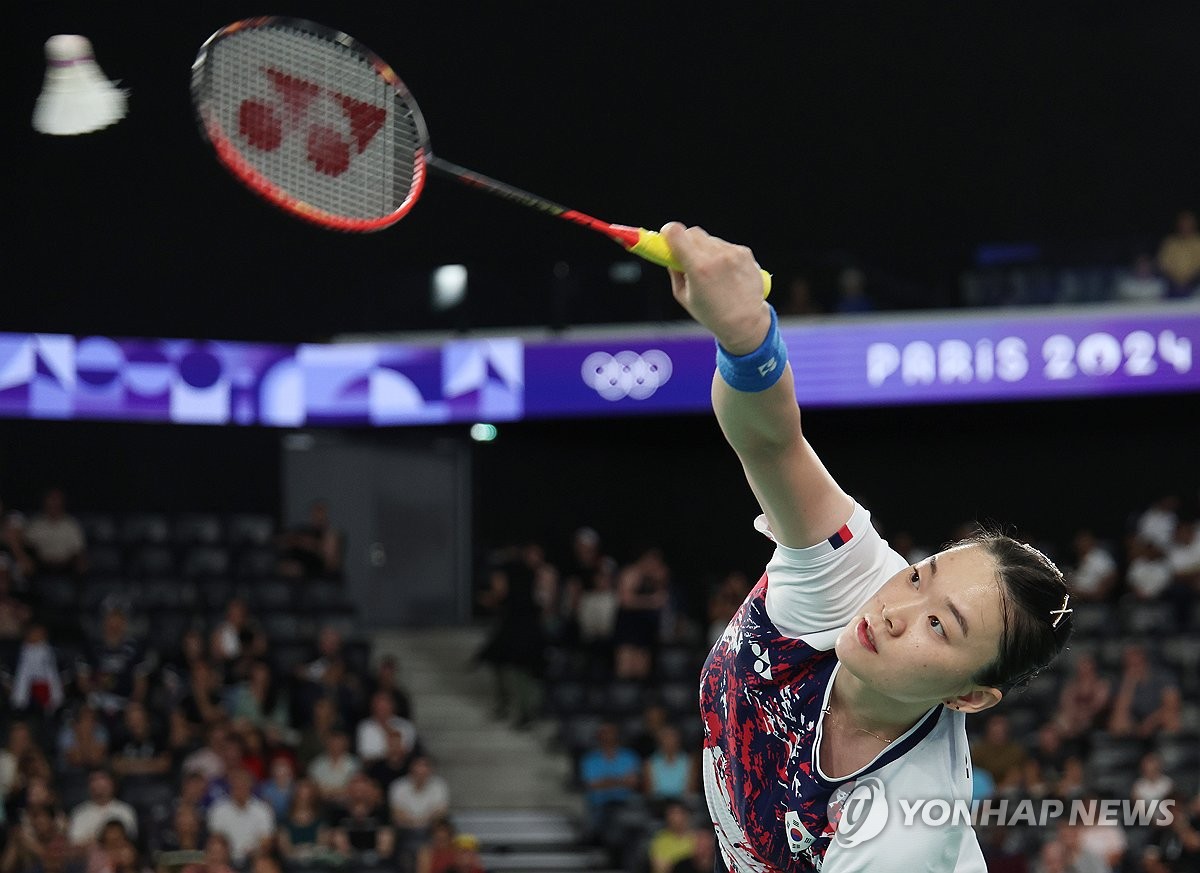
x=929, y=629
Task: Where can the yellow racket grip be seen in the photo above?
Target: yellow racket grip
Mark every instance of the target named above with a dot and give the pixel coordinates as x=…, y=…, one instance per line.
x=654, y=248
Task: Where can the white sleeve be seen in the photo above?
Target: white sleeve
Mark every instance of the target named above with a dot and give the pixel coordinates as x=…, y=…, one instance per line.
x=820, y=588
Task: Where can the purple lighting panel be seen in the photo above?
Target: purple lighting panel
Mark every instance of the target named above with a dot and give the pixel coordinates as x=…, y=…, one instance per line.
x=881, y=361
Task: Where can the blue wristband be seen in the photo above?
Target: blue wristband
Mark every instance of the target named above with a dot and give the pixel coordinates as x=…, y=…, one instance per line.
x=758, y=370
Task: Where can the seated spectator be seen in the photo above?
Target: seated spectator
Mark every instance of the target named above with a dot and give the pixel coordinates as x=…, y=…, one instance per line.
x=372, y=733
x=1157, y=522
x=185, y=832
x=726, y=601
x=82, y=742
x=852, y=292
x=1152, y=783
x=1183, y=554
x=653, y=719
x=253, y=745
x=419, y=798
x=29, y=836
x=1051, y=750
x=312, y=550
x=1102, y=838
x=108, y=853
x=394, y=764
x=1065, y=854
x=675, y=841
x=12, y=527
x=1071, y=784
x=1141, y=283
x=58, y=857
x=19, y=743
x=332, y=769
x=114, y=669
x=176, y=671
x=1179, y=255
x=209, y=760
x=15, y=613
x=387, y=681
x=1147, y=698
x=1084, y=699
x=1177, y=841
x=278, y=790
x=325, y=720
x=1148, y=575
x=138, y=750
x=437, y=853
x=36, y=684
x=363, y=831
x=302, y=831
x=669, y=773
x=466, y=855
x=643, y=592
x=596, y=616
x=246, y=821
x=704, y=853
x=217, y=856
x=203, y=702
x=999, y=753
x=609, y=773
x=53, y=541
x=102, y=804
x=237, y=641
x=1094, y=576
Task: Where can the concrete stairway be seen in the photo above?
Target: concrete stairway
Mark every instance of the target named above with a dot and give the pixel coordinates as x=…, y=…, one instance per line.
x=509, y=788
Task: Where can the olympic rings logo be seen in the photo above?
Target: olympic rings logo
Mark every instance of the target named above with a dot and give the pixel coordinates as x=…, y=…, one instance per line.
x=626, y=374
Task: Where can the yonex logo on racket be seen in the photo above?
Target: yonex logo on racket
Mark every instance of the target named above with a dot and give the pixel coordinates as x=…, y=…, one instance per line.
x=626, y=374
x=328, y=146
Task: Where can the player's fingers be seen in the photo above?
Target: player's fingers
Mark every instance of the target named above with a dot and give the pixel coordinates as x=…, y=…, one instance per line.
x=685, y=242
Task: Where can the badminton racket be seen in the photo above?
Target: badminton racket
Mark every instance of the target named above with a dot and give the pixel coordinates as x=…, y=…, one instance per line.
x=317, y=124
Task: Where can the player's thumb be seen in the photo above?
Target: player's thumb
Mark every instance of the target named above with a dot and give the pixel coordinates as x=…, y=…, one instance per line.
x=673, y=233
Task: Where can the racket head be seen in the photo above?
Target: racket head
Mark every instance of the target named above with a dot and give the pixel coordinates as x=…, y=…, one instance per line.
x=311, y=120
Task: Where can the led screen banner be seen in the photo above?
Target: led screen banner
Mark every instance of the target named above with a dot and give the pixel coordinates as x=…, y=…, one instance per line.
x=993, y=356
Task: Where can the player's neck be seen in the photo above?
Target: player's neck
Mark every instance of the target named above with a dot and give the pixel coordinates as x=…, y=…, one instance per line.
x=866, y=709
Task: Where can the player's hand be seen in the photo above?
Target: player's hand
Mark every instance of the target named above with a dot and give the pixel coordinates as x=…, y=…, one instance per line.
x=721, y=287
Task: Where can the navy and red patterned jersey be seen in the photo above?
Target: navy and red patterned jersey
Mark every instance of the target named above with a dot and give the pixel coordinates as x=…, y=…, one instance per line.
x=763, y=691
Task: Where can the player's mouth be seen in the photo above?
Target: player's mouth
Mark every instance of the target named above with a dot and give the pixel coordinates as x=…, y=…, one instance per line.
x=865, y=637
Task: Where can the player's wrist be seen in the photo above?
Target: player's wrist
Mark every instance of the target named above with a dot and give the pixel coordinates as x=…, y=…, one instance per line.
x=759, y=368
x=744, y=334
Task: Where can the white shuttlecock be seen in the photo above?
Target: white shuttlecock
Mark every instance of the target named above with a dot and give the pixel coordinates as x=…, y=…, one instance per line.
x=76, y=96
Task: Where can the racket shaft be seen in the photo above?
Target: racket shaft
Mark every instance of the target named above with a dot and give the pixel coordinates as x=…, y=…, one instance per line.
x=644, y=243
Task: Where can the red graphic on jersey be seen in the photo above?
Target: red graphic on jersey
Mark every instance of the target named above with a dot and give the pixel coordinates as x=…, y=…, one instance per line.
x=264, y=126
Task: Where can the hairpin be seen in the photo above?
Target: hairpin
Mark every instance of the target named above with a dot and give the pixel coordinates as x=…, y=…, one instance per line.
x=1062, y=612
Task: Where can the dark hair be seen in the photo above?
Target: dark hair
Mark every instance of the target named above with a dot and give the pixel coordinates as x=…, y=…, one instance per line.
x=1032, y=593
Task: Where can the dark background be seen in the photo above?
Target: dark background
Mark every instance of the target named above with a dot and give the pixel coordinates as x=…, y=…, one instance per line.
x=901, y=136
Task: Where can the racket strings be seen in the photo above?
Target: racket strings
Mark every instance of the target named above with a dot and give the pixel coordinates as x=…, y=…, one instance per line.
x=313, y=118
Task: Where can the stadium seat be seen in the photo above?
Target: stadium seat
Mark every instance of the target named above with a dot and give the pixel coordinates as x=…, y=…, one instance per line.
x=197, y=528
x=105, y=560
x=100, y=528
x=256, y=562
x=202, y=561
x=677, y=663
x=144, y=527
x=1148, y=618
x=1093, y=619
x=167, y=593
x=250, y=530
x=151, y=559
x=623, y=698
x=567, y=698
x=1115, y=754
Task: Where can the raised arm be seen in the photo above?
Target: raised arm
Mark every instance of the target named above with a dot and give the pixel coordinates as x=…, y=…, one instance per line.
x=721, y=287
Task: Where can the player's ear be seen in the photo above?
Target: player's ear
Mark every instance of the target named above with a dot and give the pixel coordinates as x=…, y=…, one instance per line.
x=976, y=700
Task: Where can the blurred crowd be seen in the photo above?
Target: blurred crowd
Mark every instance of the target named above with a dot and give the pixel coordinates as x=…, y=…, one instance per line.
x=232, y=744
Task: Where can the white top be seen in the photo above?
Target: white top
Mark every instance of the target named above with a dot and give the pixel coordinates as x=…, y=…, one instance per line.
x=330, y=776
x=419, y=805
x=89, y=817
x=245, y=826
x=371, y=737
x=56, y=540
x=763, y=692
x=1148, y=578
x=1092, y=571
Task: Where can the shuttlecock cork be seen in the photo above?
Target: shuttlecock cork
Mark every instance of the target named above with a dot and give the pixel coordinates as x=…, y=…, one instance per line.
x=76, y=95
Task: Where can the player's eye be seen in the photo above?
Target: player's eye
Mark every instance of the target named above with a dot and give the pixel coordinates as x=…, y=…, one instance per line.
x=915, y=578
x=936, y=624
